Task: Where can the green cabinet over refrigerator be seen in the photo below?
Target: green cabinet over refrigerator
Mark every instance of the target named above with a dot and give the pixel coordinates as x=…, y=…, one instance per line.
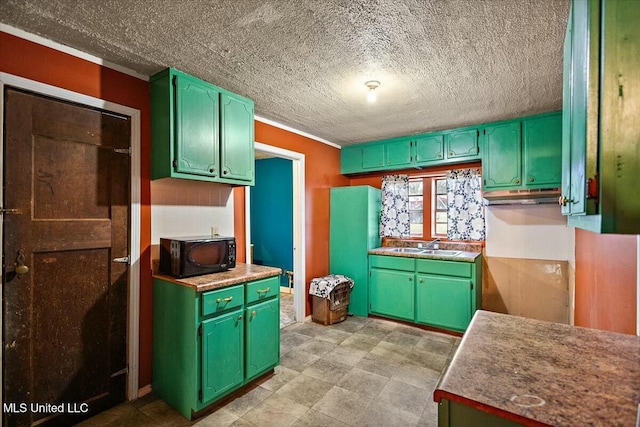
x=351, y=237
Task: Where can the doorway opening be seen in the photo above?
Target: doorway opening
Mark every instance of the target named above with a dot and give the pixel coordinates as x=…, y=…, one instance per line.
x=282, y=162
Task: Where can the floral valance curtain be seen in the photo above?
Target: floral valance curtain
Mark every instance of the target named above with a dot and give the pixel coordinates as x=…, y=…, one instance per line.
x=464, y=205
x=394, y=218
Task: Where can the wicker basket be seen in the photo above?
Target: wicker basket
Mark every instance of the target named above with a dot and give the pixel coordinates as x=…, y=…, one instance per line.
x=328, y=311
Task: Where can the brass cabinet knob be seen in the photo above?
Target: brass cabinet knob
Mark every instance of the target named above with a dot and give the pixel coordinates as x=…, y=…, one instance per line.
x=420, y=280
x=439, y=155
x=451, y=153
x=517, y=181
x=530, y=179
x=253, y=313
x=562, y=201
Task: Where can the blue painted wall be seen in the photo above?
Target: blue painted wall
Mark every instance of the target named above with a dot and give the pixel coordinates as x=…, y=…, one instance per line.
x=272, y=215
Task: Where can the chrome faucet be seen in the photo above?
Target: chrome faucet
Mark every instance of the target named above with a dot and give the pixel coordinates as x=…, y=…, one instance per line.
x=434, y=244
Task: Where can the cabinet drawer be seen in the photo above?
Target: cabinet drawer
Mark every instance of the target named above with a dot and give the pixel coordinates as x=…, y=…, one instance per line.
x=392, y=263
x=444, y=268
x=222, y=300
x=263, y=289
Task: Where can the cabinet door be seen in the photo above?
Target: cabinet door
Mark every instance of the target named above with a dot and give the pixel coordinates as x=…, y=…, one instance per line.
x=197, y=127
x=542, y=151
x=398, y=153
x=581, y=86
x=263, y=337
x=373, y=156
x=391, y=293
x=222, y=354
x=462, y=144
x=429, y=148
x=237, y=152
x=565, y=209
x=443, y=301
x=351, y=159
x=501, y=156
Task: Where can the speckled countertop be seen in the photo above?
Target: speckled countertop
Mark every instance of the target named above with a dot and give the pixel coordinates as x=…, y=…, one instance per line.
x=240, y=274
x=468, y=252
x=543, y=373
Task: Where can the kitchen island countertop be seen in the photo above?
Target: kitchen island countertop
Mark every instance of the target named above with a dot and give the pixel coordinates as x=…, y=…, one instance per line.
x=542, y=373
x=240, y=274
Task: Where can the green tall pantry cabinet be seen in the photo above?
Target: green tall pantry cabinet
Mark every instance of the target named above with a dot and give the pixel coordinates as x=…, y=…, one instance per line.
x=354, y=229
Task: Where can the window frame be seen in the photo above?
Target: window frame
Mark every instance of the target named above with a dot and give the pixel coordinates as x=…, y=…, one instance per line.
x=428, y=203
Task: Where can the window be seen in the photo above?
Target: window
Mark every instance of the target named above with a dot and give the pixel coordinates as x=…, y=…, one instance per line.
x=428, y=207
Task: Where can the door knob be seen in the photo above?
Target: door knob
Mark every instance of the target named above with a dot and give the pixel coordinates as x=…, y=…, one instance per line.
x=21, y=269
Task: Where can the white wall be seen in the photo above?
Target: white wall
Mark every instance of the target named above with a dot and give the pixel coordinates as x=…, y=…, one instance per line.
x=181, y=208
x=528, y=231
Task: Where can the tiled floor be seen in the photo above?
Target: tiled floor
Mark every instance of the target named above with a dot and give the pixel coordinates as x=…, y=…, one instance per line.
x=361, y=372
x=287, y=313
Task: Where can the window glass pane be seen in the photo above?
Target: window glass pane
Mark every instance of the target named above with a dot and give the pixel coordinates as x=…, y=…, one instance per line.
x=415, y=187
x=441, y=186
x=441, y=228
x=415, y=203
x=415, y=217
x=416, y=230
x=441, y=217
x=441, y=202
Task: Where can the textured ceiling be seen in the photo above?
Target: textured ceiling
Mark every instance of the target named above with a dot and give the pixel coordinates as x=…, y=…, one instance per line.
x=442, y=63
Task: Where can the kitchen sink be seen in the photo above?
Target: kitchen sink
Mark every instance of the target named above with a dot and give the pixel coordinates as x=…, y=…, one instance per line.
x=407, y=250
x=443, y=252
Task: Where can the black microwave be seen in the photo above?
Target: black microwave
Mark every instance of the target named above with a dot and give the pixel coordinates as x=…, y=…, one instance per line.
x=194, y=256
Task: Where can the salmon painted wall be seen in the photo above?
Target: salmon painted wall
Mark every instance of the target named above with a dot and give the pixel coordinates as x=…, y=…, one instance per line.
x=36, y=62
x=606, y=281
x=322, y=171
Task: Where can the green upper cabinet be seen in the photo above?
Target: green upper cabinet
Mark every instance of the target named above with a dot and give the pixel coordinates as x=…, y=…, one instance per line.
x=429, y=149
x=601, y=159
x=523, y=153
x=373, y=156
x=399, y=153
x=197, y=122
x=462, y=144
x=236, y=155
x=542, y=151
x=502, y=156
x=200, y=131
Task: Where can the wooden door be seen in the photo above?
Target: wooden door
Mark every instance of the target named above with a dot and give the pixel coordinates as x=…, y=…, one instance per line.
x=64, y=321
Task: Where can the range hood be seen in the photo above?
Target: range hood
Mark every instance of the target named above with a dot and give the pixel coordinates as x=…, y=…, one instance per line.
x=522, y=197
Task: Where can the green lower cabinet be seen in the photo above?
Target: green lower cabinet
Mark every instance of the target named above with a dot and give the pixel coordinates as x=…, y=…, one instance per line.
x=391, y=293
x=208, y=344
x=222, y=350
x=262, y=337
x=435, y=292
x=454, y=414
x=444, y=302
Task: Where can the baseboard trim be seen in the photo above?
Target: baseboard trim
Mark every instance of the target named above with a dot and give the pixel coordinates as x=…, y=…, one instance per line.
x=144, y=391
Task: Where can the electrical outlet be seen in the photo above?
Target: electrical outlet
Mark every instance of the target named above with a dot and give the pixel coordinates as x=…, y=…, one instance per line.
x=214, y=230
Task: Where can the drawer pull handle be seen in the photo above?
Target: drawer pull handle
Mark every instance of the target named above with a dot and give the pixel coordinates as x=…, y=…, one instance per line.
x=225, y=300
x=264, y=291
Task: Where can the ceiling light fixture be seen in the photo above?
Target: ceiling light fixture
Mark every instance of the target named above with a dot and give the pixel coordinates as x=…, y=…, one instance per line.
x=372, y=85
